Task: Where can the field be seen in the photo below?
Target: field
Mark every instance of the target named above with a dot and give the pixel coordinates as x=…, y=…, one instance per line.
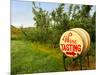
x=30, y=57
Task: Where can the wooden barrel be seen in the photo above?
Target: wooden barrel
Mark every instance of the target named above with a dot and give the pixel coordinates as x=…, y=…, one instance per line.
x=74, y=42
x=85, y=37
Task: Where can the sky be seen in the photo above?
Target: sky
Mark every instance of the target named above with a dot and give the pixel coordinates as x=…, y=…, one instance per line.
x=21, y=12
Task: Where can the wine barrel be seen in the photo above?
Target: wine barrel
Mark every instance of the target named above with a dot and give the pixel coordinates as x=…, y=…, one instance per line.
x=75, y=42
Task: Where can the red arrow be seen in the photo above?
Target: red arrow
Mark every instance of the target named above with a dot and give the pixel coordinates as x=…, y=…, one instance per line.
x=71, y=53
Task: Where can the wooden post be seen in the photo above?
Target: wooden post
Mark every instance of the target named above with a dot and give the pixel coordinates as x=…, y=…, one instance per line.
x=80, y=59
x=88, y=59
x=64, y=57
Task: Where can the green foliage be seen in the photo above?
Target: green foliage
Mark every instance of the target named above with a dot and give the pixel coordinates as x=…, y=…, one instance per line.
x=77, y=16
x=16, y=33
x=35, y=34
x=41, y=17
x=85, y=10
x=60, y=18
x=34, y=57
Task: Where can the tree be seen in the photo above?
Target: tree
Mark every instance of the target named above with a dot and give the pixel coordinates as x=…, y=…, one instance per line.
x=42, y=19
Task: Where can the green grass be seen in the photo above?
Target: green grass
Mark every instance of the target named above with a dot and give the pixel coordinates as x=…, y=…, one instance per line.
x=27, y=57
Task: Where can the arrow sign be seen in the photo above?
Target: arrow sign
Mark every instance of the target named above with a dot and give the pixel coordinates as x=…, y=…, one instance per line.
x=71, y=53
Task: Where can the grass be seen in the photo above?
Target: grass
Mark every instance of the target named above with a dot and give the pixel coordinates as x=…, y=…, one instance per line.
x=27, y=57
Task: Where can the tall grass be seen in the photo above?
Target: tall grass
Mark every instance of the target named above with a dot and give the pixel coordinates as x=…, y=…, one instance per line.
x=34, y=57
